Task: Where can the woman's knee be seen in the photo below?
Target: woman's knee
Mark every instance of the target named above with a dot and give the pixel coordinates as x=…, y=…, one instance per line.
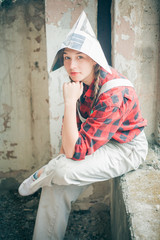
x=63, y=168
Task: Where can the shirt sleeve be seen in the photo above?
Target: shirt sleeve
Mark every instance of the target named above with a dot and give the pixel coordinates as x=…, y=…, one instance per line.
x=99, y=127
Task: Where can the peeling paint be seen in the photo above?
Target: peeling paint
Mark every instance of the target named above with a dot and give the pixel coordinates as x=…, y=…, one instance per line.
x=56, y=118
x=125, y=37
x=34, y=15
x=9, y=150
x=13, y=144
x=5, y=118
x=73, y=8
x=38, y=39
x=10, y=154
x=127, y=40
x=36, y=50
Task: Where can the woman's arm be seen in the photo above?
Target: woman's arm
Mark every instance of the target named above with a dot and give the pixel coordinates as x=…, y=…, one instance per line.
x=71, y=92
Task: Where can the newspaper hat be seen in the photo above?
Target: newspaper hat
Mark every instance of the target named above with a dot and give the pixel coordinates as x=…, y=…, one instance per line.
x=82, y=38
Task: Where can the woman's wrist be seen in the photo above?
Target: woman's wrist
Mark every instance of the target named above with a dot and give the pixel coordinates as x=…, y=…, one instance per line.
x=70, y=102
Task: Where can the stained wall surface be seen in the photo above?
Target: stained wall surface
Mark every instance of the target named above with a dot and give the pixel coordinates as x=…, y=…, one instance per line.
x=24, y=114
x=135, y=53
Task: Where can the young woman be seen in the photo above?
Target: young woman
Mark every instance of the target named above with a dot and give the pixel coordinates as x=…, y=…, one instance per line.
x=102, y=133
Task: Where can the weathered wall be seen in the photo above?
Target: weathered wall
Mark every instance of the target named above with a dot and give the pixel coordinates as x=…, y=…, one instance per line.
x=24, y=115
x=158, y=92
x=135, y=41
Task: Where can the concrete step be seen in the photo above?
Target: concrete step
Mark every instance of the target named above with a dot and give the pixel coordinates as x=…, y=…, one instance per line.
x=135, y=208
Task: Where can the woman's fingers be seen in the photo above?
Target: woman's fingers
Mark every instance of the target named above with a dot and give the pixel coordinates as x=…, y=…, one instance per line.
x=72, y=91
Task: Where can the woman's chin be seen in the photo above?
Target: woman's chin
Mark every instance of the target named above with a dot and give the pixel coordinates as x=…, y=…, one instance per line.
x=76, y=79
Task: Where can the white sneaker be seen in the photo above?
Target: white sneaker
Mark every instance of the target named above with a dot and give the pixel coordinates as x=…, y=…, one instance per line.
x=25, y=188
x=31, y=185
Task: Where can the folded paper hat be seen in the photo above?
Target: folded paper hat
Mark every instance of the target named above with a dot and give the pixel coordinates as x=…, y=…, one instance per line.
x=83, y=39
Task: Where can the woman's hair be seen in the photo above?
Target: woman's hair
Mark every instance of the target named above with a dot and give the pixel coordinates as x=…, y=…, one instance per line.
x=96, y=84
x=60, y=56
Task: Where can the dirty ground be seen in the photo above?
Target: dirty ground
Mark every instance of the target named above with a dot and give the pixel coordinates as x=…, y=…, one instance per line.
x=17, y=217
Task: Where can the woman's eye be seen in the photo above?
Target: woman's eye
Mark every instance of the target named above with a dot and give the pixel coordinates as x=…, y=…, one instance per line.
x=80, y=57
x=66, y=58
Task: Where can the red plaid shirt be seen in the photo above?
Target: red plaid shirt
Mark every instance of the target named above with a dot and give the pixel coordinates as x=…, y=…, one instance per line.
x=116, y=115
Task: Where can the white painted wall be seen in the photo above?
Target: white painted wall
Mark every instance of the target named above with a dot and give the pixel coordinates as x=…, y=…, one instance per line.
x=58, y=24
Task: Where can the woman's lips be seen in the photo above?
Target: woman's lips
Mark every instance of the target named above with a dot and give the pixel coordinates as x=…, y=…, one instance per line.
x=74, y=73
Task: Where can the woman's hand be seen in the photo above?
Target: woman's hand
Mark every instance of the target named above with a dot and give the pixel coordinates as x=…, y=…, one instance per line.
x=72, y=91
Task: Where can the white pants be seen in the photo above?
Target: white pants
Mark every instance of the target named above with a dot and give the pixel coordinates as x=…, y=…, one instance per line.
x=63, y=180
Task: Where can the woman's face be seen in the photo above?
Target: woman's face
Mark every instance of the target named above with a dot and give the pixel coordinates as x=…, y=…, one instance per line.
x=79, y=66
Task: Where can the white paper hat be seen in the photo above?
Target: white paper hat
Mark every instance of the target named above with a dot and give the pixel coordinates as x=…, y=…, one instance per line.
x=83, y=39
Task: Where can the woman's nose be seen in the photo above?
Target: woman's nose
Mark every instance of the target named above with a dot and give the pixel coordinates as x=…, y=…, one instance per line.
x=73, y=64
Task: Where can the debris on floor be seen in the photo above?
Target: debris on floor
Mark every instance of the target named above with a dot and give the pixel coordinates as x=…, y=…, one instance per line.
x=17, y=218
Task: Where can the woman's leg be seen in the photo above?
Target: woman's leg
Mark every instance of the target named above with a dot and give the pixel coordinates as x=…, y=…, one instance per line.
x=63, y=180
x=109, y=161
x=53, y=212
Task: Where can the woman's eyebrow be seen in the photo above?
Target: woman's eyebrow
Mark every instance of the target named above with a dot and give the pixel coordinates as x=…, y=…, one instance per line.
x=76, y=53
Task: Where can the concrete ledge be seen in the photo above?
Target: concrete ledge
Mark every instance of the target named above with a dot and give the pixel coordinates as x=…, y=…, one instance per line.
x=135, y=205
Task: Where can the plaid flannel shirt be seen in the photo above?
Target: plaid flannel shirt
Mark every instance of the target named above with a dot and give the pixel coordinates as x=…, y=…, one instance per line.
x=116, y=115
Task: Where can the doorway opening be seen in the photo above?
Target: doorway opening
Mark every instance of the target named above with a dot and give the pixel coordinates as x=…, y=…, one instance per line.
x=104, y=27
